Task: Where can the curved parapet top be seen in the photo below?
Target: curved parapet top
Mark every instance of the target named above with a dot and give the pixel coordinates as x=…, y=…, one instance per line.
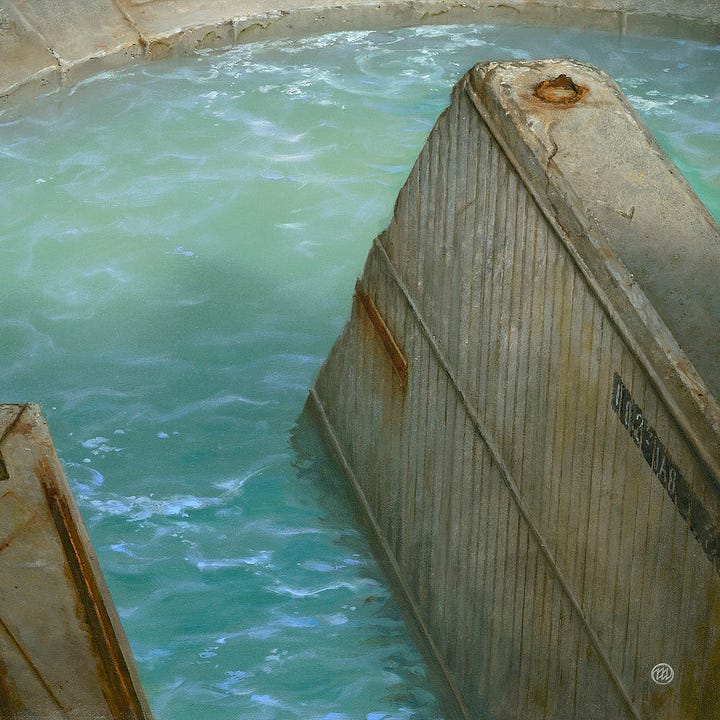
x=44, y=44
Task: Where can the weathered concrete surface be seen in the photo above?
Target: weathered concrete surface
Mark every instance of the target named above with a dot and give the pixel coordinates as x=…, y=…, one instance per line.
x=76, y=31
x=25, y=60
x=634, y=207
x=63, y=653
x=44, y=43
x=538, y=455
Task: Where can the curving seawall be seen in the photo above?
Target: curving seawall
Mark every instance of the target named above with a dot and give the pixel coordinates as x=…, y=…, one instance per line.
x=47, y=43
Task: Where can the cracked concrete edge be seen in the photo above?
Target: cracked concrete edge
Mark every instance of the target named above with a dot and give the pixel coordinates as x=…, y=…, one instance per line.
x=158, y=30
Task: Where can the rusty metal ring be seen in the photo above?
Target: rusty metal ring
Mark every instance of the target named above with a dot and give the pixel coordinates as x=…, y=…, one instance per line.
x=560, y=91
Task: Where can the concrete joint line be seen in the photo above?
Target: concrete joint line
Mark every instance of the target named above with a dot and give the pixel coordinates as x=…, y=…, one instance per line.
x=509, y=483
x=12, y=424
x=131, y=22
x=28, y=659
x=4, y=475
x=34, y=31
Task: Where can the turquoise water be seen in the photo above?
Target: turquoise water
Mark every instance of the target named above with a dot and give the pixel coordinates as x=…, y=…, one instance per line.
x=179, y=243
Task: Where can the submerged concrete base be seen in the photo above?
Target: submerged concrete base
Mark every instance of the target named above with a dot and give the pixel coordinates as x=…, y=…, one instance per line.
x=63, y=653
x=525, y=400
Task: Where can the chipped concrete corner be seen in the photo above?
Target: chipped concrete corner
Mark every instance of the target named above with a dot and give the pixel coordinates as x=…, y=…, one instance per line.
x=545, y=484
x=63, y=653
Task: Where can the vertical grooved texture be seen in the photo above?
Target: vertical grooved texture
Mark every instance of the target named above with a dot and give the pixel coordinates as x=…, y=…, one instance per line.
x=547, y=561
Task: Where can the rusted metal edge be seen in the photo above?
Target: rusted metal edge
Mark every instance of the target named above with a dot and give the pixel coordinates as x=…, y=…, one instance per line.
x=510, y=484
x=392, y=349
x=119, y=688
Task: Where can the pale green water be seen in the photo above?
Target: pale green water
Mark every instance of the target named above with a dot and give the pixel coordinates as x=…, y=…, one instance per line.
x=179, y=245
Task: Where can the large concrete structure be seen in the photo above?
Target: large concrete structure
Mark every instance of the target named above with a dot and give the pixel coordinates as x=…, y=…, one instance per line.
x=525, y=399
x=540, y=464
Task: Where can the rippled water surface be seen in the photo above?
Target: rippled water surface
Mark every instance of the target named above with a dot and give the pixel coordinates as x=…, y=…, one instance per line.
x=179, y=243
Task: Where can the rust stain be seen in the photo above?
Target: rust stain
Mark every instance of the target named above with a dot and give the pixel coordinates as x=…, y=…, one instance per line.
x=116, y=681
x=23, y=427
x=560, y=91
x=11, y=705
x=394, y=353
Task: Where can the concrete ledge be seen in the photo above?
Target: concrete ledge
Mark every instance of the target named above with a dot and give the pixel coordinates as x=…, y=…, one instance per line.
x=45, y=43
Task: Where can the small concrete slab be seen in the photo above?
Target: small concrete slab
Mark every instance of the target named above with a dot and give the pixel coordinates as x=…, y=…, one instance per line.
x=63, y=653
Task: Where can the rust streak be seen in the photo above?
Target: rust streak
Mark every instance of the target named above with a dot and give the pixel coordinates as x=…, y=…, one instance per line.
x=392, y=349
x=120, y=696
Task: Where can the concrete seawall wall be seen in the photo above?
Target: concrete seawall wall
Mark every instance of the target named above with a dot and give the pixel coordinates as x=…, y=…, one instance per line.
x=536, y=453
x=45, y=44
